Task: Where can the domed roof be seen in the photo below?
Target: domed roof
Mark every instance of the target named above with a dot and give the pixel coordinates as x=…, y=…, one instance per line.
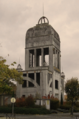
x=41, y=29
x=19, y=67
x=62, y=74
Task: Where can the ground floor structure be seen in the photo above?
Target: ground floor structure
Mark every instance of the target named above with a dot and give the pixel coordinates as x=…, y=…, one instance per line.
x=40, y=83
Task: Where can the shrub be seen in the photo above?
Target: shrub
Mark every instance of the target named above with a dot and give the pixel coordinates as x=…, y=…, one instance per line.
x=5, y=110
x=30, y=101
x=25, y=102
x=20, y=102
x=66, y=107
x=54, y=103
x=22, y=110
x=77, y=104
x=67, y=103
x=76, y=109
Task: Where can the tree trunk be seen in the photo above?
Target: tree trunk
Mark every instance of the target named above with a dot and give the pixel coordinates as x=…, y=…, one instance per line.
x=72, y=108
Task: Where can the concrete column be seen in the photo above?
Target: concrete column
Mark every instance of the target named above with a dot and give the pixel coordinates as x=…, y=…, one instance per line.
x=27, y=80
x=56, y=56
x=41, y=83
x=51, y=58
x=53, y=84
x=35, y=77
x=34, y=57
x=42, y=56
x=53, y=87
x=57, y=59
x=26, y=59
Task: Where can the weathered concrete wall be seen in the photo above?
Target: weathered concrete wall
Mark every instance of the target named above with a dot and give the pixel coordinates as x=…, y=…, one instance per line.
x=39, y=37
x=19, y=90
x=57, y=76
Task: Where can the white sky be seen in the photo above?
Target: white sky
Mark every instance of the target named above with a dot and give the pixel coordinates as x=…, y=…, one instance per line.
x=16, y=16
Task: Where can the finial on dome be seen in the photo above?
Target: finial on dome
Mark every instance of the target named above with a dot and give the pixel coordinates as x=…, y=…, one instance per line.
x=43, y=20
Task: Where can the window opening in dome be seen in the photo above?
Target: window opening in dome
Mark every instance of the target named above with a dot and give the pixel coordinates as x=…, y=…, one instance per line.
x=46, y=57
x=31, y=58
x=38, y=57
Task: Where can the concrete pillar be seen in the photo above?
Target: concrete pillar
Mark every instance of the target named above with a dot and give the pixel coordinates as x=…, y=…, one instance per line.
x=59, y=59
x=53, y=84
x=53, y=87
x=41, y=83
x=34, y=57
x=60, y=77
x=26, y=59
x=55, y=57
x=35, y=77
x=51, y=58
x=27, y=81
x=42, y=56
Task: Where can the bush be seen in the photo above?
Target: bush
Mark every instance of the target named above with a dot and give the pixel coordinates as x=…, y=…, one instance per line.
x=25, y=102
x=5, y=110
x=76, y=109
x=22, y=110
x=20, y=102
x=66, y=107
x=67, y=103
x=30, y=101
x=54, y=104
x=77, y=104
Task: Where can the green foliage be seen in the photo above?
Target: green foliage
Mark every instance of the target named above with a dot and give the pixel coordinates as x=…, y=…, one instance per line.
x=77, y=104
x=54, y=104
x=67, y=103
x=23, y=110
x=6, y=74
x=76, y=109
x=5, y=110
x=66, y=107
x=72, y=91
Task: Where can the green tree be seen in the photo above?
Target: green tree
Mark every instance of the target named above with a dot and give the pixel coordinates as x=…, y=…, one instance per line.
x=6, y=75
x=72, y=91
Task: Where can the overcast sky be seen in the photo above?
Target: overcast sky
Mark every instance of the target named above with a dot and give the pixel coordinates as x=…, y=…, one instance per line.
x=16, y=16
